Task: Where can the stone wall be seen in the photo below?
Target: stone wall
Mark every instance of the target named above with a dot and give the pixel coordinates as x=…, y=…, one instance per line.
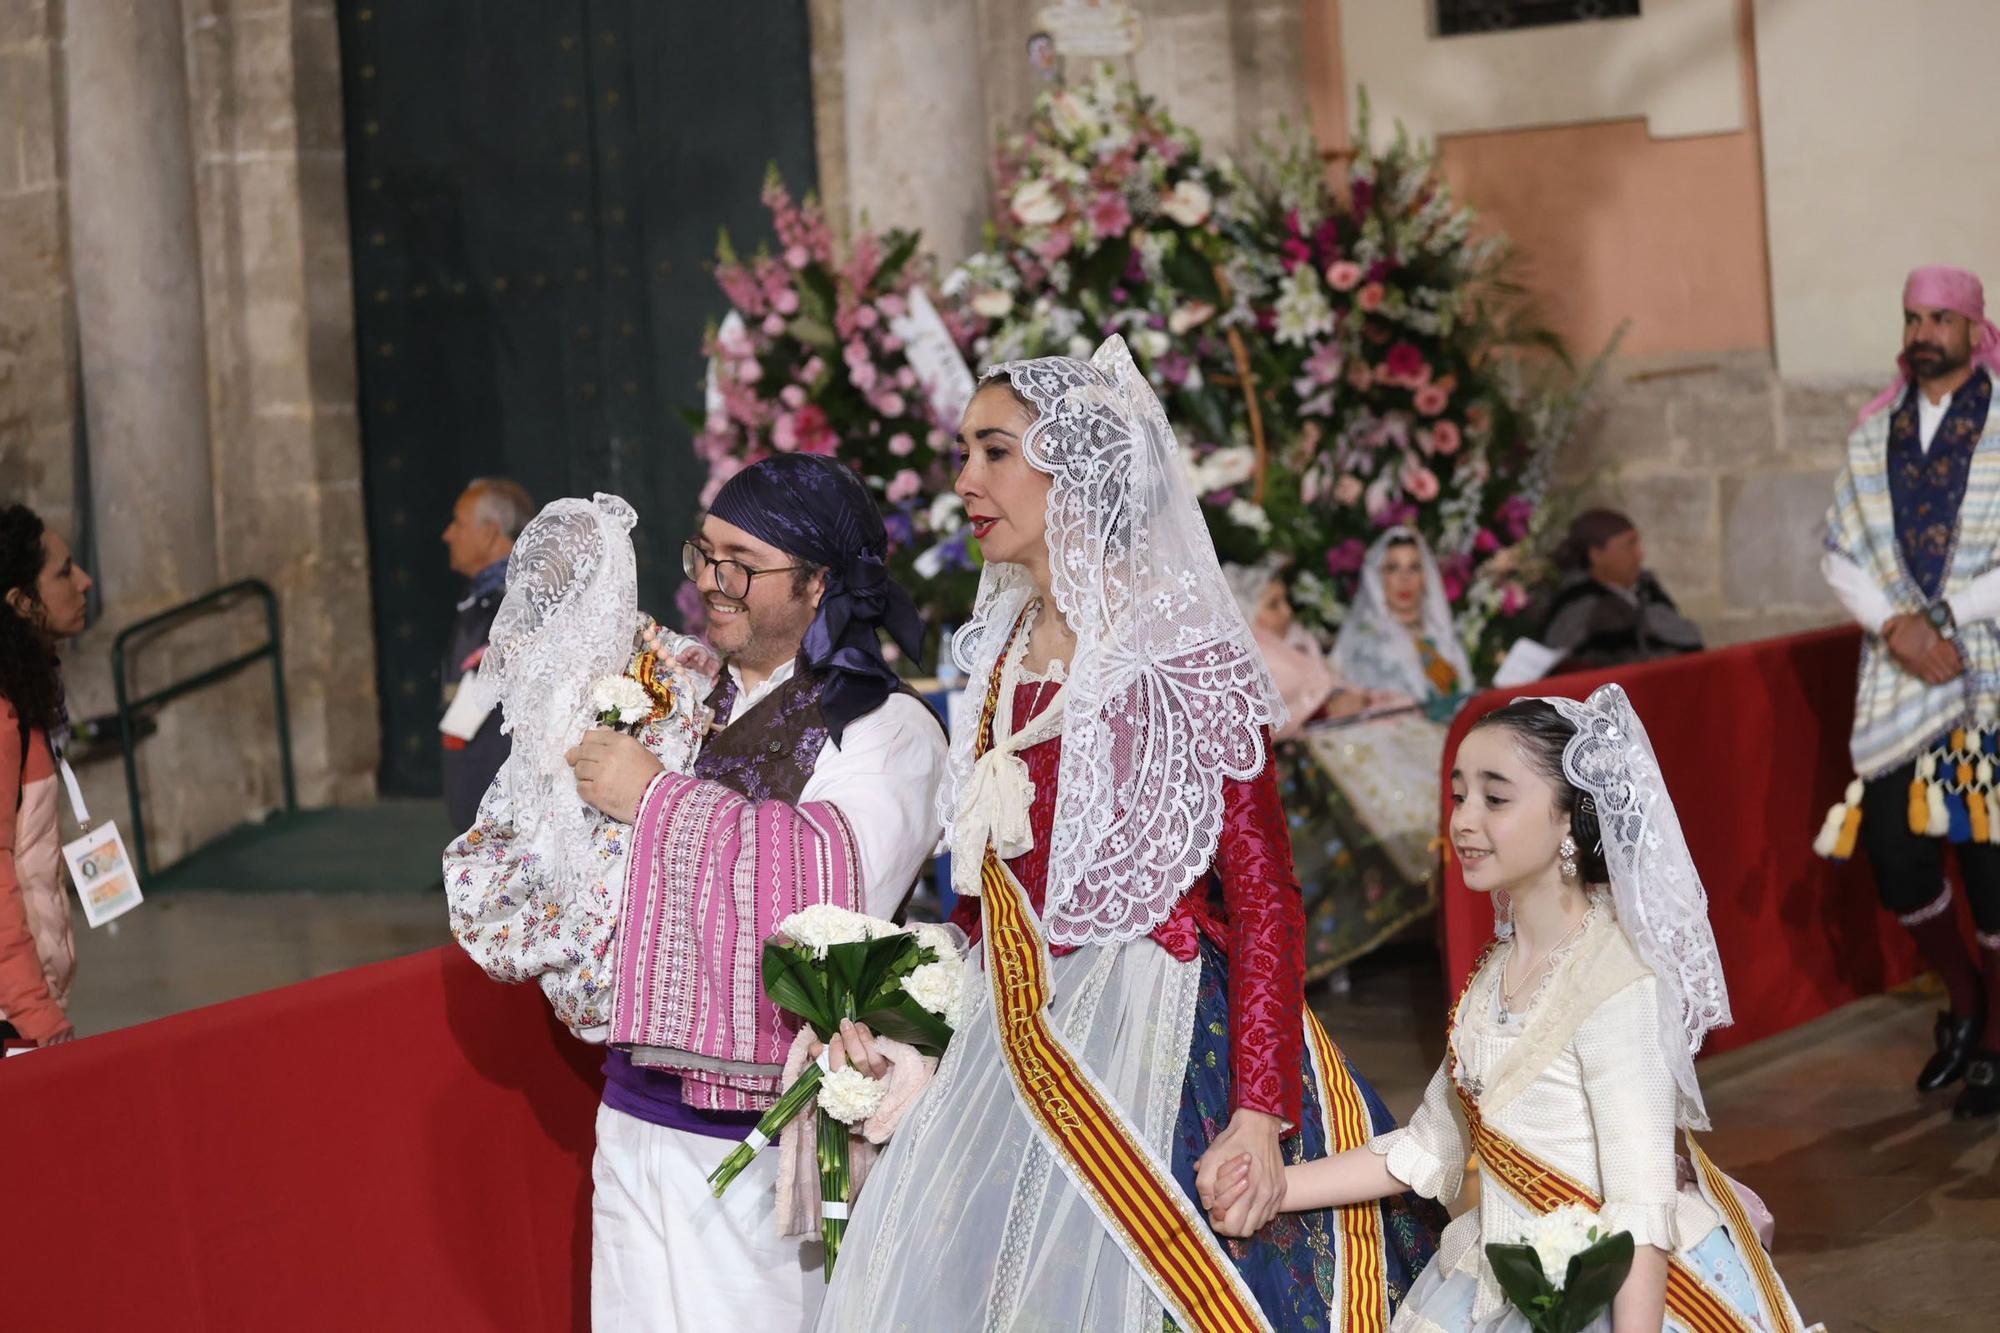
x=1727, y=469
x=173, y=239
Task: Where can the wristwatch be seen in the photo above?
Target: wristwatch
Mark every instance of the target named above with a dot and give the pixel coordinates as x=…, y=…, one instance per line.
x=1939, y=614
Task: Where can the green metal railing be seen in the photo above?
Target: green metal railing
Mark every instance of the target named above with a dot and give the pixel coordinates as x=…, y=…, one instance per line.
x=130, y=709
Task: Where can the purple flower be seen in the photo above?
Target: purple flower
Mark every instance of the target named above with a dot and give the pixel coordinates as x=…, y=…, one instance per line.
x=1347, y=557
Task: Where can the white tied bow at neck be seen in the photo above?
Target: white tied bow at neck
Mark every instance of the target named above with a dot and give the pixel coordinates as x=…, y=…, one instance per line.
x=994, y=806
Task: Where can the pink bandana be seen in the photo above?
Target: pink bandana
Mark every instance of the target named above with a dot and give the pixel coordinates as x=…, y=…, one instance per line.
x=1945, y=288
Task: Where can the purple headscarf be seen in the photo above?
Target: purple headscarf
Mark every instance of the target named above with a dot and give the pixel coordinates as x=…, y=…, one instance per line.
x=817, y=510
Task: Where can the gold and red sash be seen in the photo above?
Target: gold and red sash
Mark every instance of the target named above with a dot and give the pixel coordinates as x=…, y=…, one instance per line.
x=1543, y=1189
x=1133, y=1194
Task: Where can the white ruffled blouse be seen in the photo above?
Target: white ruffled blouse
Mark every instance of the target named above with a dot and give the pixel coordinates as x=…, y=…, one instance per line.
x=1578, y=1080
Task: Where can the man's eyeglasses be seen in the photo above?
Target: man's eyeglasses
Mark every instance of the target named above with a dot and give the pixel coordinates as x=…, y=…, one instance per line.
x=732, y=578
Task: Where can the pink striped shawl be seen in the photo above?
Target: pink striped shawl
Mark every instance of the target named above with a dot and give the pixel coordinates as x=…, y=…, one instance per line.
x=711, y=876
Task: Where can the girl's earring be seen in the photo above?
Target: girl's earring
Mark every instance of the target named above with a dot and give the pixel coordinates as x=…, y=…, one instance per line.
x=1567, y=853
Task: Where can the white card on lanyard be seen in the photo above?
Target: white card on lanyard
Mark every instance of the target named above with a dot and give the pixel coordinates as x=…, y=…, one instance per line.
x=103, y=874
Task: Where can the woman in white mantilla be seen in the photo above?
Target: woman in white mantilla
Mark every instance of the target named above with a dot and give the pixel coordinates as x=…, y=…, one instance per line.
x=1116, y=833
x=1571, y=1051
x=1398, y=634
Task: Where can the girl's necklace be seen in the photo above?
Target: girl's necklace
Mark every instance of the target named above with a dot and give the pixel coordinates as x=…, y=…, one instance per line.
x=1507, y=997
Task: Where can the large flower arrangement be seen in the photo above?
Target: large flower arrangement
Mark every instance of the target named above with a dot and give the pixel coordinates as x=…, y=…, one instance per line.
x=809, y=361
x=1332, y=359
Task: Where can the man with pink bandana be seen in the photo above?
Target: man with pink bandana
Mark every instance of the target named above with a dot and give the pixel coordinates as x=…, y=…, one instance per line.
x=1913, y=552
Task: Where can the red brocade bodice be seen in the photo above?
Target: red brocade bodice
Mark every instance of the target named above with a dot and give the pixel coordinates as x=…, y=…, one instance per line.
x=1248, y=904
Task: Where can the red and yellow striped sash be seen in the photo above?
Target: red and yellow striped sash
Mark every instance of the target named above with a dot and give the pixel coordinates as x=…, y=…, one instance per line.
x=1545, y=1189
x=1127, y=1187
x=1364, y=1279
x=1722, y=1191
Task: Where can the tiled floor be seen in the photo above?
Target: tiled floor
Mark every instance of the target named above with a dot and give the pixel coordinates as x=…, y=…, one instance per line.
x=1888, y=1211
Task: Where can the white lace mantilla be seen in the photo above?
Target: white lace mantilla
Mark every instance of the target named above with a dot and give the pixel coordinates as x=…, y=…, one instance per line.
x=1167, y=693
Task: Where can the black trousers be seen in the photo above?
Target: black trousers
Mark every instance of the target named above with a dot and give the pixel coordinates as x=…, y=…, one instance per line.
x=1909, y=867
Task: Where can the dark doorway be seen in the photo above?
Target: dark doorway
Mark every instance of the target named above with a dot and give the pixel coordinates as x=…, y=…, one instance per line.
x=535, y=188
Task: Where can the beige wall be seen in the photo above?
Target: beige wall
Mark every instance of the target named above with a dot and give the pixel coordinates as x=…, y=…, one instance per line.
x=1611, y=223
x=1879, y=155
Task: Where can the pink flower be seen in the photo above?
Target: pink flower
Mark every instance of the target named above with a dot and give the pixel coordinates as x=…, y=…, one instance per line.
x=906, y=378
x=891, y=404
x=1477, y=418
x=797, y=256
x=1512, y=598
x=901, y=445
x=1371, y=297
x=785, y=433
x=1486, y=543
x=1346, y=557
x=1053, y=245
x=1420, y=482
x=786, y=302
x=1403, y=362
x=1359, y=376
x=867, y=317
x=748, y=371
x=862, y=375
x=792, y=396
x=1347, y=490
x=892, y=306
x=1343, y=276
x=904, y=486
x=732, y=340
x=815, y=432
x=1432, y=399
x=1454, y=585
x=1109, y=215
x=1445, y=437
x=811, y=370
x=774, y=325
x=1325, y=362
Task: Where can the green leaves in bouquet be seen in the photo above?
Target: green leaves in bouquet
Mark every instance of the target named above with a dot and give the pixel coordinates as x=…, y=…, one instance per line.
x=1589, y=1286
x=862, y=981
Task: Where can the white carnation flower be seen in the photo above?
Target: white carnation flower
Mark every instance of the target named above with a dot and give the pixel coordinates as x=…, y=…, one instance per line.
x=935, y=985
x=850, y=1096
x=940, y=940
x=622, y=700
x=1560, y=1236
x=823, y=925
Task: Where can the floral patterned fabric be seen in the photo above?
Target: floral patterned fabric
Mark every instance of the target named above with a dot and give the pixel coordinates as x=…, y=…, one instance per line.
x=1260, y=919
x=1927, y=488
x=1291, y=1265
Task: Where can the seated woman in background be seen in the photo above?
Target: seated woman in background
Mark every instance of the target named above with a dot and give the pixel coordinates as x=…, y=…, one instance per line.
x=1607, y=609
x=1398, y=635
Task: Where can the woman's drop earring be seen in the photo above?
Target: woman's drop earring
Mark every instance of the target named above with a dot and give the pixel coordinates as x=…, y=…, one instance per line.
x=1567, y=853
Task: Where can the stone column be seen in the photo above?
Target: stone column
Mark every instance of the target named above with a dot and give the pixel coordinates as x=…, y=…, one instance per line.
x=135, y=253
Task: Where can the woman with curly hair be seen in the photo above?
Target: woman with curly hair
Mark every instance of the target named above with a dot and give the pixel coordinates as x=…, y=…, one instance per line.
x=43, y=590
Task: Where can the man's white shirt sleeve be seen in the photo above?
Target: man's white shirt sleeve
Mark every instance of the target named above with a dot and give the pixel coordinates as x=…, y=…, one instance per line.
x=884, y=778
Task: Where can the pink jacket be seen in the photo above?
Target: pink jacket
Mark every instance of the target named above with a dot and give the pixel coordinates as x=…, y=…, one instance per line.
x=37, y=951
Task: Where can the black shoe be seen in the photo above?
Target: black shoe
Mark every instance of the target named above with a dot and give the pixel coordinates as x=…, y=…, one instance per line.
x=1956, y=1043
x=1981, y=1097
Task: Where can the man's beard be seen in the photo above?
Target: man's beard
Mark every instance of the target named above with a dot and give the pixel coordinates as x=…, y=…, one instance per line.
x=762, y=641
x=1932, y=362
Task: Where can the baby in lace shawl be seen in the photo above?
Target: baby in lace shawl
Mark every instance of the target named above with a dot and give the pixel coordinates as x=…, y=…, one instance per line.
x=536, y=885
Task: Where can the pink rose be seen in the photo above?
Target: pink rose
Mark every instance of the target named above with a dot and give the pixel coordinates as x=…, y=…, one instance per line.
x=867, y=317
x=1347, y=490
x=1343, y=276
x=774, y=325
x=1371, y=297
x=901, y=445
x=1420, y=482
x=1432, y=399
x=748, y=371
x=792, y=396
x=891, y=404
x=904, y=486
x=1403, y=363
x=797, y=256
x=786, y=302
x=1445, y=437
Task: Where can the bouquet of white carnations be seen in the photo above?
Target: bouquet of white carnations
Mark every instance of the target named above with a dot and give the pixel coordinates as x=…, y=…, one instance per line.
x=825, y=965
x=1571, y=1242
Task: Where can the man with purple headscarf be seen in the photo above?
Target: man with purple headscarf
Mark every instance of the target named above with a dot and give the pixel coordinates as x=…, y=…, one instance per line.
x=1913, y=552
x=819, y=786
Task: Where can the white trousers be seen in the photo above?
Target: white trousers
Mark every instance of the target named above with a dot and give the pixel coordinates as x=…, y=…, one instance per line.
x=666, y=1257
